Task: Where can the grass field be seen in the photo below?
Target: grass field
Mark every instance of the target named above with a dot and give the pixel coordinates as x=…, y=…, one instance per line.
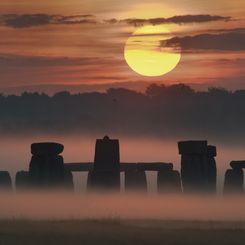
x=118, y=232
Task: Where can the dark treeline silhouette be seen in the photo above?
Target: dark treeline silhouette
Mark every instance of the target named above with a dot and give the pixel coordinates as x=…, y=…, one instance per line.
x=175, y=111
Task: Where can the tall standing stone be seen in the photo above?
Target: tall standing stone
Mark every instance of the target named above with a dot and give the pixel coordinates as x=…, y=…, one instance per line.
x=198, y=167
x=46, y=169
x=5, y=181
x=22, y=180
x=234, y=181
x=211, y=169
x=68, y=180
x=106, y=172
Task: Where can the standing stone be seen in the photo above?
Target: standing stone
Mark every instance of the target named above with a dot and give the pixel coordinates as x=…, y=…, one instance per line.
x=135, y=180
x=106, y=172
x=234, y=181
x=68, y=180
x=5, y=180
x=169, y=182
x=46, y=168
x=22, y=181
x=211, y=170
x=198, y=166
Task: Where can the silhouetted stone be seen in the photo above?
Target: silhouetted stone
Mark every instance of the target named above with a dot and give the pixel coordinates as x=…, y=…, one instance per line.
x=237, y=164
x=211, y=170
x=169, y=182
x=135, y=180
x=46, y=169
x=22, y=180
x=104, y=180
x=106, y=171
x=192, y=147
x=5, y=180
x=233, y=181
x=212, y=152
x=154, y=166
x=198, y=166
x=46, y=148
x=68, y=180
x=106, y=155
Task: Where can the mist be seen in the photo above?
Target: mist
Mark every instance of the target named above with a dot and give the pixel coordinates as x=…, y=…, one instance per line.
x=15, y=154
x=65, y=206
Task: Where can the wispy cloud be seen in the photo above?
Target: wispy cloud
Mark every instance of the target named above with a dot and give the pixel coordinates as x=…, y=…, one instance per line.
x=29, y=20
x=179, y=19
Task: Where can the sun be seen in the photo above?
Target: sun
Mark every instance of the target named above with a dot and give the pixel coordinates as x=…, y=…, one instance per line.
x=145, y=55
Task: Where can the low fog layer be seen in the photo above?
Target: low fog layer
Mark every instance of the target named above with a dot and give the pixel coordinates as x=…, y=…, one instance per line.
x=63, y=206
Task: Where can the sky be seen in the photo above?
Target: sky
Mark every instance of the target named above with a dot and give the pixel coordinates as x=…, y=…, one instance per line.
x=75, y=43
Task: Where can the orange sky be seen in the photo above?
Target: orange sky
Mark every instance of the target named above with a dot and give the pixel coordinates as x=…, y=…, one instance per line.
x=89, y=50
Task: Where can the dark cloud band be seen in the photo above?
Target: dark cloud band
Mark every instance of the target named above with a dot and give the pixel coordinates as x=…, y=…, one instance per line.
x=29, y=20
x=179, y=19
x=229, y=41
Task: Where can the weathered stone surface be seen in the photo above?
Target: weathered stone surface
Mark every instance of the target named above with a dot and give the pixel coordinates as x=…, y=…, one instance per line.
x=22, y=180
x=169, y=182
x=237, y=164
x=104, y=181
x=46, y=171
x=212, y=151
x=198, y=167
x=154, y=166
x=135, y=180
x=211, y=175
x=68, y=180
x=46, y=148
x=106, y=171
x=193, y=147
x=5, y=180
x=234, y=181
x=191, y=173
x=107, y=155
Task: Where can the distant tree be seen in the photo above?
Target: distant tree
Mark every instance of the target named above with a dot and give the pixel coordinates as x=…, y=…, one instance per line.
x=62, y=94
x=155, y=90
x=218, y=91
x=180, y=89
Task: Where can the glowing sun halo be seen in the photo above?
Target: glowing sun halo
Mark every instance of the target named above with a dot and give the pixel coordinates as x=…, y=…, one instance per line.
x=144, y=54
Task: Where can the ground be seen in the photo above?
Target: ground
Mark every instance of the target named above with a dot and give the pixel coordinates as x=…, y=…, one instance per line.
x=118, y=232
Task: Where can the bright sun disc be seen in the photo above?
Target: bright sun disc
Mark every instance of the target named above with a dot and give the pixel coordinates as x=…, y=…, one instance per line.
x=144, y=54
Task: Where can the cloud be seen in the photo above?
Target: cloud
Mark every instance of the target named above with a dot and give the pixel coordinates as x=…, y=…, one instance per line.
x=179, y=19
x=29, y=20
x=229, y=41
x=44, y=61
